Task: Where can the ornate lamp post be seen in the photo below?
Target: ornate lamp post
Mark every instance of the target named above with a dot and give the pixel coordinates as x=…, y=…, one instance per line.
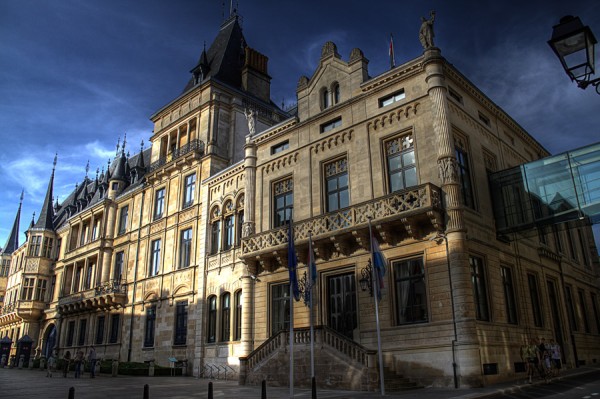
x=366, y=282
x=573, y=44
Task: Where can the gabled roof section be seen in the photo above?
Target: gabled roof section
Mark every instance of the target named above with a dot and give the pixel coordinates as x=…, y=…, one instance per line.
x=225, y=57
x=13, y=239
x=44, y=222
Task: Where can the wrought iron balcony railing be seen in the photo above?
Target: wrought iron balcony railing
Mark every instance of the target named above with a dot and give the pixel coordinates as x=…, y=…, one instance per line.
x=196, y=145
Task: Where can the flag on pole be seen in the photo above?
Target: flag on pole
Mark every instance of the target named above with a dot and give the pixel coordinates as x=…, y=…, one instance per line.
x=293, y=262
x=379, y=264
x=391, y=52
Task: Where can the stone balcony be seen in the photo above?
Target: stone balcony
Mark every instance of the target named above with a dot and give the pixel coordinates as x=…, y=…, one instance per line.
x=175, y=159
x=109, y=295
x=410, y=213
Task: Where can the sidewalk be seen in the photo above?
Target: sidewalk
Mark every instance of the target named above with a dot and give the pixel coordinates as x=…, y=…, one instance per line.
x=15, y=383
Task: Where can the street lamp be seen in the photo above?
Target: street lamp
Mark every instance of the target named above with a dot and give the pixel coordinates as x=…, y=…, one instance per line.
x=573, y=44
x=366, y=282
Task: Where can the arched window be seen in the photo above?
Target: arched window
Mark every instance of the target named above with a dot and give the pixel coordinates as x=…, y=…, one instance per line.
x=335, y=91
x=225, y=317
x=215, y=229
x=324, y=98
x=237, y=332
x=211, y=332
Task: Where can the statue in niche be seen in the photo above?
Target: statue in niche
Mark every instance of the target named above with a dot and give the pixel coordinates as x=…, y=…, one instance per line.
x=250, y=115
x=426, y=31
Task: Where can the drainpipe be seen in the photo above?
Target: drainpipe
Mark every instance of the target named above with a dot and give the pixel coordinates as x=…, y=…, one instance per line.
x=135, y=269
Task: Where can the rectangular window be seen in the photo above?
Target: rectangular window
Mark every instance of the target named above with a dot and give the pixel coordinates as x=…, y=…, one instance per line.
x=47, y=248
x=95, y=228
x=570, y=308
x=239, y=226
x=215, y=237
x=123, y=215
x=336, y=183
x=557, y=239
x=57, y=252
x=277, y=148
x=584, y=311
x=181, y=321
x=154, y=258
x=482, y=310
x=27, y=290
x=189, y=190
x=159, y=203
x=89, y=274
x=229, y=232
x=594, y=299
x=464, y=172
x=40, y=290
x=238, y=317
x=484, y=119
x=392, y=98
x=115, y=320
x=454, y=95
x=536, y=306
x=5, y=268
x=283, y=202
x=509, y=295
x=82, y=237
x=70, y=332
x=571, y=243
x=410, y=291
x=185, y=250
x=225, y=317
x=331, y=125
x=583, y=249
x=100, y=330
x=77, y=280
x=150, y=326
x=280, y=308
x=401, y=164
x=34, y=245
x=119, y=260
x=82, y=332
x=211, y=333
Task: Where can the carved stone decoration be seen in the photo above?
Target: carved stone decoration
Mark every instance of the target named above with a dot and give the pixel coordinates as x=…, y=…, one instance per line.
x=426, y=31
x=248, y=229
x=329, y=48
x=356, y=54
x=448, y=170
x=302, y=82
x=251, y=118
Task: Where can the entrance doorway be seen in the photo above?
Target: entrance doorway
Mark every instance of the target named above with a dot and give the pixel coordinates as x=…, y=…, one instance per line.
x=50, y=341
x=342, y=315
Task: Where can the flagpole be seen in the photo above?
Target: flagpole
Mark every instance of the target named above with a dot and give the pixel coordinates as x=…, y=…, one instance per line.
x=376, y=288
x=310, y=307
x=291, y=237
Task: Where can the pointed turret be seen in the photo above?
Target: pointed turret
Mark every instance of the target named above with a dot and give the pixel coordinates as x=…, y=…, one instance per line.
x=44, y=222
x=13, y=239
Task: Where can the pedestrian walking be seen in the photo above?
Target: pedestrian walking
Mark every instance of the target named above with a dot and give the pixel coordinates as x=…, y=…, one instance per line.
x=78, y=363
x=66, y=363
x=91, y=358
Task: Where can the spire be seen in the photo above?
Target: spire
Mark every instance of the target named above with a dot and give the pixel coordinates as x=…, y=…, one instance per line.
x=13, y=240
x=44, y=222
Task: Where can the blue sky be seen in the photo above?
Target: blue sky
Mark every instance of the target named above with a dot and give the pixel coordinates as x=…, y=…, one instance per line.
x=79, y=74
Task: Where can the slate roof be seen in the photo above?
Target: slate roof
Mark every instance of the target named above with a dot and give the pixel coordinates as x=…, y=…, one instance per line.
x=12, y=243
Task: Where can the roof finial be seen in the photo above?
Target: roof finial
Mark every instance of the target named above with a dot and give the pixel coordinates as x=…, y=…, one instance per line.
x=33, y=218
x=124, y=142
x=54, y=163
x=142, y=146
x=118, y=145
x=22, y=194
x=97, y=172
x=87, y=168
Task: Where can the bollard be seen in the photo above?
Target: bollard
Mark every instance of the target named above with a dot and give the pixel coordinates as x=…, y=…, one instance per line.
x=151, y=369
x=314, y=388
x=72, y=393
x=146, y=391
x=210, y=390
x=115, y=368
x=21, y=361
x=263, y=390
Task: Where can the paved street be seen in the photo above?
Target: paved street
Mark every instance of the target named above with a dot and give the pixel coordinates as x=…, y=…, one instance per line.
x=17, y=384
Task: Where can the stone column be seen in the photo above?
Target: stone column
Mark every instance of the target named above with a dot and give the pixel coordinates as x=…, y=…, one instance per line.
x=111, y=212
x=249, y=227
x=247, y=314
x=468, y=359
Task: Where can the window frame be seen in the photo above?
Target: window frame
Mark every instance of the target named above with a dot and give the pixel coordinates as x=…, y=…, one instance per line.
x=159, y=203
x=155, y=249
x=390, y=99
x=99, y=338
x=119, y=265
x=123, y=219
x=400, y=147
x=115, y=323
x=189, y=190
x=331, y=125
x=510, y=301
x=185, y=248
x=332, y=172
x=181, y=323
x=225, y=317
x=480, y=288
x=463, y=164
x=536, y=302
x=280, y=147
x=402, y=312
x=282, y=189
x=150, y=326
x=279, y=307
x=81, y=334
x=237, y=329
x=211, y=325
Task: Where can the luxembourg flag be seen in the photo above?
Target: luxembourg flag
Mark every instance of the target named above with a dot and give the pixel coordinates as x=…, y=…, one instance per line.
x=293, y=263
x=379, y=264
x=391, y=52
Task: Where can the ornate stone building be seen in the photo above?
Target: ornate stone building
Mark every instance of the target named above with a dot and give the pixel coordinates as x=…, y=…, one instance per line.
x=181, y=249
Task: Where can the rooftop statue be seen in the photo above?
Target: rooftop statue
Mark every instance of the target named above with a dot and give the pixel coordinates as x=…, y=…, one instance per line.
x=426, y=31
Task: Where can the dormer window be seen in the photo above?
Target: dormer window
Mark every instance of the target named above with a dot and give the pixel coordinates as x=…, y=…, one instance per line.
x=335, y=91
x=325, y=99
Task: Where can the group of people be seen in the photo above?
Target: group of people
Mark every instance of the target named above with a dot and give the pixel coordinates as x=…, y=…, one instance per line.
x=545, y=358
x=77, y=360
